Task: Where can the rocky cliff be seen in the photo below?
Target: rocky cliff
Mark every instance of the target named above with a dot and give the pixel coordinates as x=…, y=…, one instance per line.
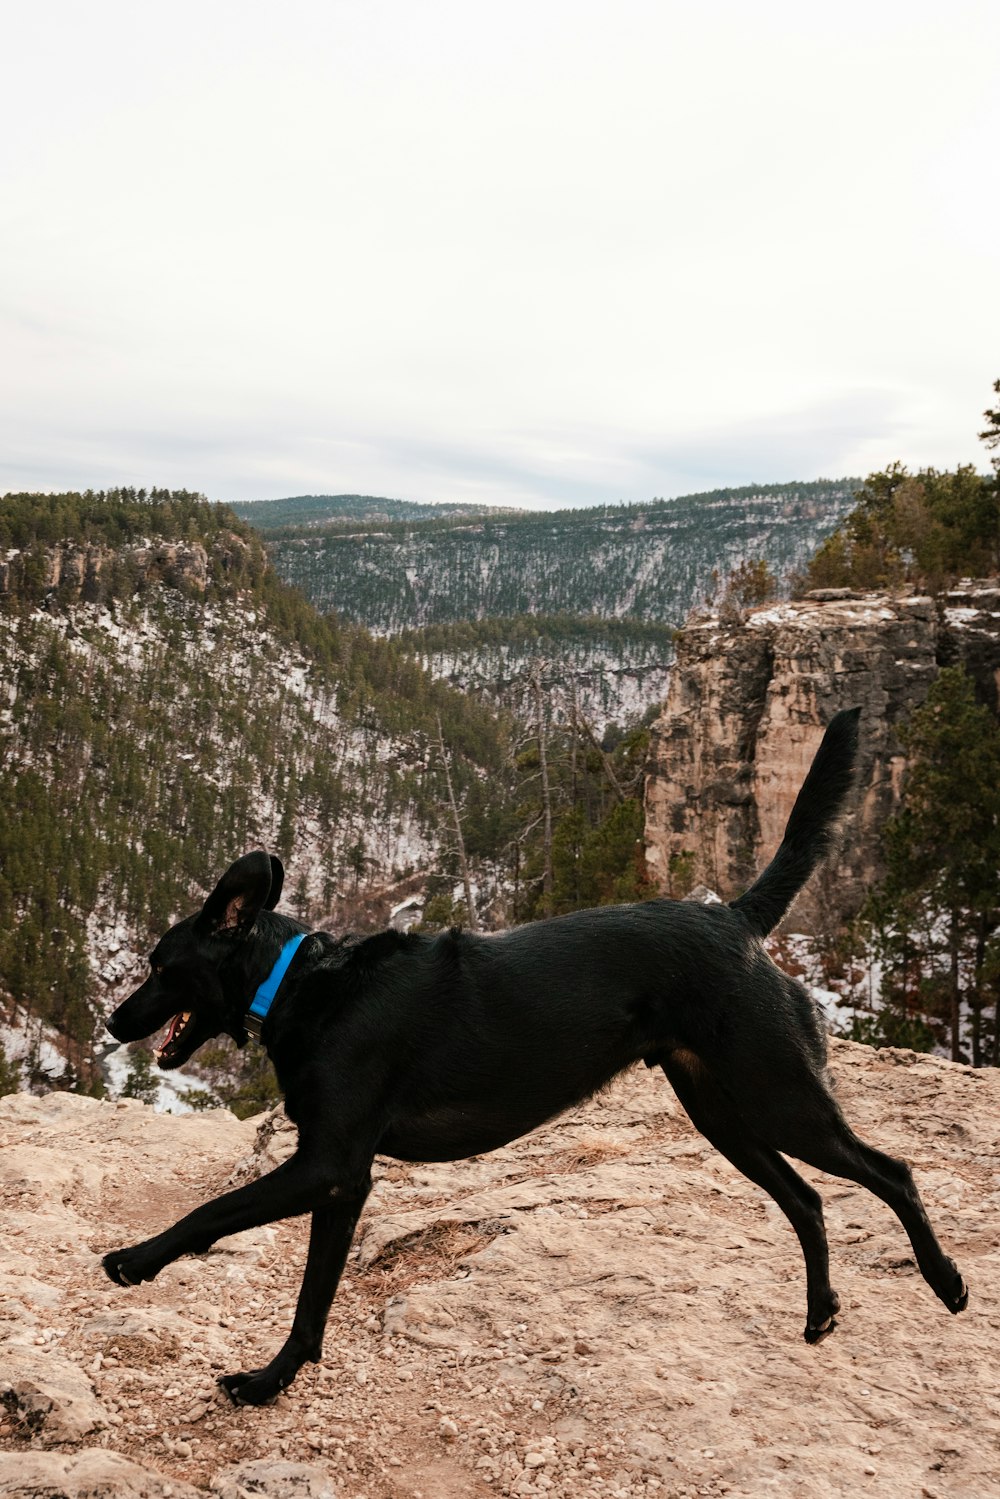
x=745, y=713
x=87, y=570
x=605, y=1308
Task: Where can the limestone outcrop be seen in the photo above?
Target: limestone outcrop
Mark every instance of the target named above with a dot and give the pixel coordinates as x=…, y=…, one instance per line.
x=745, y=712
x=87, y=571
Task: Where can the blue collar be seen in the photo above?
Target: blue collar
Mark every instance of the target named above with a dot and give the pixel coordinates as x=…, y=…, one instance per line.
x=264, y=998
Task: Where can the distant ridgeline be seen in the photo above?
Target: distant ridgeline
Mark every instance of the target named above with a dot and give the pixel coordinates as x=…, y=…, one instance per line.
x=593, y=592
x=309, y=511
x=166, y=703
x=650, y=562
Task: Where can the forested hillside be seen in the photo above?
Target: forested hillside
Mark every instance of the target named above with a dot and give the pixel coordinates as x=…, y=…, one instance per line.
x=165, y=703
x=592, y=593
x=651, y=562
x=609, y=670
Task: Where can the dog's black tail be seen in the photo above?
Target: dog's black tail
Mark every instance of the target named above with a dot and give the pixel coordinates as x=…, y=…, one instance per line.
x=809, y=829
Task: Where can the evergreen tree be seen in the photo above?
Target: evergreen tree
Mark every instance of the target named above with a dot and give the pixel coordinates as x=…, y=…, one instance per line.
x=925, y=528
x=10, y=1074
x=140, y=1082
x=937, y=910
x=990, y=434
x=749, y=584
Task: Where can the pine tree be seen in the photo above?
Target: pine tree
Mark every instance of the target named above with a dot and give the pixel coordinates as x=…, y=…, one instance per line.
x=10, y=1074
x=140, y=1082
x=939, y=905
x=990, y=434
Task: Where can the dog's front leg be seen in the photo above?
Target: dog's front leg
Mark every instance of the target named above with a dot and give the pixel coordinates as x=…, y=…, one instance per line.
x=329, y=1241
x=293, y=1187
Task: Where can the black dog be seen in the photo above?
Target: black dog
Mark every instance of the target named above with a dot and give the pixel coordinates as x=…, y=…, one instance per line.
x=437, y=1048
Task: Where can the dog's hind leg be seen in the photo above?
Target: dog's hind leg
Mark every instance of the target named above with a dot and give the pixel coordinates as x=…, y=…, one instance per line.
x=714, y=1116
x=829, y=1144
x=792, y=1108
x=330, y=1238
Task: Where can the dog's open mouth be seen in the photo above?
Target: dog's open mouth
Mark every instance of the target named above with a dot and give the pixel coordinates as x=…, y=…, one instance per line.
x=171, y=1044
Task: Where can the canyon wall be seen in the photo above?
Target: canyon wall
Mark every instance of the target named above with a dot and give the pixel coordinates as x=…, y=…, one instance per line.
x=89, y=570
x=745, y=712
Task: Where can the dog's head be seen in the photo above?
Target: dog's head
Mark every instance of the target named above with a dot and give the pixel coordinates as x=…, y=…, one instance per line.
x=202, y=970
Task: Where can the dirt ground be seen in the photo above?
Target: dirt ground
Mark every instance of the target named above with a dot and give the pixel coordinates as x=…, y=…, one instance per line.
x=604, y=1308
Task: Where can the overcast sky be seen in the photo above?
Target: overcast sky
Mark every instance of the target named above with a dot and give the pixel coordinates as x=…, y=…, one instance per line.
x=557, y=252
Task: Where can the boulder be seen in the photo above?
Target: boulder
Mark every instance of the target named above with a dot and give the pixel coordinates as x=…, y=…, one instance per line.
x=273, y=1479
x=47, y=1397
x=90, y=1474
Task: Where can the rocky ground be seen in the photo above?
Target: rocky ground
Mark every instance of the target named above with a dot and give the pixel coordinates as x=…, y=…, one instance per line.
x=605, y=1308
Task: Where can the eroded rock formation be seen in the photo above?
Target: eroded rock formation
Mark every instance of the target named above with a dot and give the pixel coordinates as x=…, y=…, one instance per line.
x=745, y=712
x=82, y=570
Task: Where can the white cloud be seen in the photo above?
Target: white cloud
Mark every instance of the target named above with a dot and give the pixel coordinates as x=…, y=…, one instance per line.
x=542, y=253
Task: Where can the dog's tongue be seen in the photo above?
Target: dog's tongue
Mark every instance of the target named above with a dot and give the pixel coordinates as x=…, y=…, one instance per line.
x=174, y=1026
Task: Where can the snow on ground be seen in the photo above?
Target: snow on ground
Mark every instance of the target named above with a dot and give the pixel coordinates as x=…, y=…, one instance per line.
x=33, y=1046
x=37, y=1049
x=116, y=1063
x=857, y=995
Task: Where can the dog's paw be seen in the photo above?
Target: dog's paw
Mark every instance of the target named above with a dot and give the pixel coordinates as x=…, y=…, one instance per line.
x=949, y=1286
x=958, y=1300
x=129, y=1267
x=256, y=1387
x=816, y=1334
x=822, y=1318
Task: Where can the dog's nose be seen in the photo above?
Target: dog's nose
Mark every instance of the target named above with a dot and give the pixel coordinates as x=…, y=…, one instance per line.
x=109, y=1026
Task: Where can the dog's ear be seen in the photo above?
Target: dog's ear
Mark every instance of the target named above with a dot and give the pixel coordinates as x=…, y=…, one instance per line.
x=240, y=896
x=277, y=880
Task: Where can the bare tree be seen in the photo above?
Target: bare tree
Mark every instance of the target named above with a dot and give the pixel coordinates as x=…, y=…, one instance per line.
x=456, y=822
x=580, y=722
x=541, y=722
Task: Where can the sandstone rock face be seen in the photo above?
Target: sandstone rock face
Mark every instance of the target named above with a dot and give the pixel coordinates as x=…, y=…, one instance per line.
x=76, y=569
x=746, y=711
x=604, y=1308
x=80, y=571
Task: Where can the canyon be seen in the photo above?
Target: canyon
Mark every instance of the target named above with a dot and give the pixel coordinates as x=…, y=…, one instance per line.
x=745, y=711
